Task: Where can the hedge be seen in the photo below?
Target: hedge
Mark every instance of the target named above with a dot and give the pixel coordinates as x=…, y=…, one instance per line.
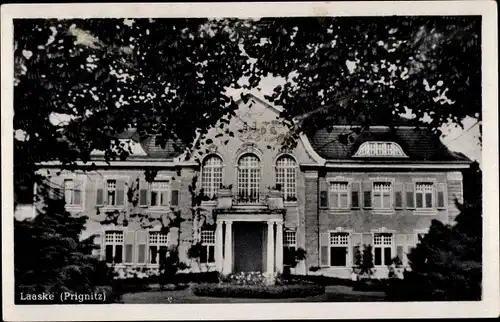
x=323, y=280
x=258, y=291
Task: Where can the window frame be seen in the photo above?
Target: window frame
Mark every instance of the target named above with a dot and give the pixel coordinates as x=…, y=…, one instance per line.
x=331, y=191
x=70, y=190
x=286, y=178
x=423, y=193
x=108, y=181
x=212, y=183
x=105, y=191
x=167, y=190
x=371, y=149
x=156, y=244
x=383, y=246
x=248, y=181
x=206, y=246
x=391, y=195
x=83, y=184
x=114, y=243
x=347, y=246
x=286, y=241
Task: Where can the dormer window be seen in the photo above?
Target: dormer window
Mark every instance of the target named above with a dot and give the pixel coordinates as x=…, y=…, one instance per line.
x=380, y=149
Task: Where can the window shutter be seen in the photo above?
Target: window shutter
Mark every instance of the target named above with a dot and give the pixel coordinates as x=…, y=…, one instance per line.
x=323, y=194
x=120, y=192
x=99, y=246
x=367, y=194
x=398, y=195
x=79, y=188
x=355, y=187
x=142, y=239
x=164, y=199
x=410, y=195
x=129, y=246
x=400, y=244
x=440, y=196
x=411, y=241
x=324, y=242
x=356, y=242
x=143, y=194
x=99, y=188
x=174, y=199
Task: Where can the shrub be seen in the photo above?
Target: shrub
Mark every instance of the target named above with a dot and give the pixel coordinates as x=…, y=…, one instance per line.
x=49, y=255
x=369, y=285
x=203, y=277
x=258, y=291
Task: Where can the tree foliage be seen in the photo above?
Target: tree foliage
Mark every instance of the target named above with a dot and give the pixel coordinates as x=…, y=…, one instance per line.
x=49, y=256
x=170, y=77
x=371, y=69
x=99, y=77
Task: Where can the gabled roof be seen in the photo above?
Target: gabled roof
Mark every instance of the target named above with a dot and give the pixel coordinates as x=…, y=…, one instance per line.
x=418, y=143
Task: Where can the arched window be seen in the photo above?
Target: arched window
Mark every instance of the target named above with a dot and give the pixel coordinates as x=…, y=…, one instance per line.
x=380, y=149
x=286, y=176
x=248, y=178
x=211, y=175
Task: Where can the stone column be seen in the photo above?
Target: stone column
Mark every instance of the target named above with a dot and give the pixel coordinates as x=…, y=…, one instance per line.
x=228, y=249
x=270, y=247
x=279, y=247
x=219, y=257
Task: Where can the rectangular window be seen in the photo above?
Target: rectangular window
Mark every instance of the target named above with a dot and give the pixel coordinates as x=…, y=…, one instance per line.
x=159, y=193
x=111, y=192
x=289, y=247
x=113, y=242
x=72, y=192
x=339, y=249
x=382, y=247
x=382, y=195
x=339, y=192
x=158, y=246
x=424, y=195
x=208, y=243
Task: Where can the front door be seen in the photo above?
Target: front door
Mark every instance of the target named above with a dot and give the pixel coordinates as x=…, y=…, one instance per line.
x=247, y=247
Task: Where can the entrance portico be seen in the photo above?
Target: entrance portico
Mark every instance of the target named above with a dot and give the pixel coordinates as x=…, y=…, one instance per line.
x=249, y=242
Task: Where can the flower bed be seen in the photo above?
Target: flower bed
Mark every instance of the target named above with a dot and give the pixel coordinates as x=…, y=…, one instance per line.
x=248, y=278
x=258, y=291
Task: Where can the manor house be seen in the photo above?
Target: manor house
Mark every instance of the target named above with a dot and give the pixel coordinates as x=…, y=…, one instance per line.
x=262, y=203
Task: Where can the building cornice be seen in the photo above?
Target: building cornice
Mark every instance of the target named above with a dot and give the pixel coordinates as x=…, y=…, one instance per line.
x=386, y=165
x=159, y=163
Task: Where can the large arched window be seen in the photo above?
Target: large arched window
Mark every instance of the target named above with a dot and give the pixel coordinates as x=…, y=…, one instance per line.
x=248, y=178
x=211, y=175
x=286, y=176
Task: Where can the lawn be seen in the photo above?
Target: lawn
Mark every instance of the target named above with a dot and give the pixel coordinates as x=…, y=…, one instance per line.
x=336, y=293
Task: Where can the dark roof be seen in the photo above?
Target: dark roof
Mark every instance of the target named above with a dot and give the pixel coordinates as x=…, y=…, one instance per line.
x=419, y=144
x=152, y=146
x=170, y=150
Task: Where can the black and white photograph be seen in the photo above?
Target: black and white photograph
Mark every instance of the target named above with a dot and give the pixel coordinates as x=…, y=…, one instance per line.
x=171, y=155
